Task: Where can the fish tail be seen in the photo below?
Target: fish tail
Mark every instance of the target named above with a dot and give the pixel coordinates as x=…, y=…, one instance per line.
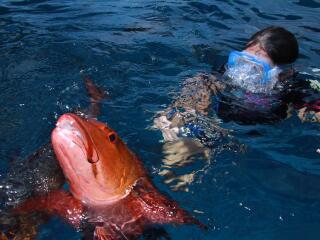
x=96, y=95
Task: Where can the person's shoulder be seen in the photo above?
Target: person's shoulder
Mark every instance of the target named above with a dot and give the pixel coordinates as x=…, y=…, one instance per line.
x=297, y=82
x=306, y=82
x=304, y=87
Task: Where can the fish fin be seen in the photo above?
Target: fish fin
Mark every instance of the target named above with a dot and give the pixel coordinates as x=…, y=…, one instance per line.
x=107, y=233
x=96, y=96
x=159, y=209
x=59, y=203
x=96, y=93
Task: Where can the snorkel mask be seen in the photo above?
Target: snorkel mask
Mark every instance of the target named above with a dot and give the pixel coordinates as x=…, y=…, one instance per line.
x=252, y=73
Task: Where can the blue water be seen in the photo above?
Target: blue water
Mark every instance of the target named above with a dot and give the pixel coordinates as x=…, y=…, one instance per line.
x=141, y=52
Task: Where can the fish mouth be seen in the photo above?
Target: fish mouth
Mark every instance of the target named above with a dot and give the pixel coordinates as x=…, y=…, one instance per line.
x=67, y=122
x=68, y=128
x=74, y=130
x=67, y=137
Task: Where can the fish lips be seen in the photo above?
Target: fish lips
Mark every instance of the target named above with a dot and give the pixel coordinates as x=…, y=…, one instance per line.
x=70, y=134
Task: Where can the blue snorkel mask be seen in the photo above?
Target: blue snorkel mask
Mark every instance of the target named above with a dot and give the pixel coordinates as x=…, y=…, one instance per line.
x=251, y=73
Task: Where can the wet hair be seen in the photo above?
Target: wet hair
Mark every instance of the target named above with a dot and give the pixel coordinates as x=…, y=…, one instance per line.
x=280, y=44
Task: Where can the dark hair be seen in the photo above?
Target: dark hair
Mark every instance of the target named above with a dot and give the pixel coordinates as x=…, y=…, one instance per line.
x=280, y=44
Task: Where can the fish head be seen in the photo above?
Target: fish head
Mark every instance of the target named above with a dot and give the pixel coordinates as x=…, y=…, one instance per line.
x=96, y=162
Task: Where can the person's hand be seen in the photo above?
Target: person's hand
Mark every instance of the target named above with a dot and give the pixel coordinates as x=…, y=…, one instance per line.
x=169, y=132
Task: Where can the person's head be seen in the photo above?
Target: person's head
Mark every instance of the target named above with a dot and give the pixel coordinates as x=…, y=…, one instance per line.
x=275, y=43
x=266, y=59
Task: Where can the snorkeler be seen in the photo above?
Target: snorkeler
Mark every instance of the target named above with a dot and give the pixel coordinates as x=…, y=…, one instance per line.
x=257, y=85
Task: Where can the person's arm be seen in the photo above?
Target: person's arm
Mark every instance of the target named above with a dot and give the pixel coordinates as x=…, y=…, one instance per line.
x=194, y=99
x=197, y=92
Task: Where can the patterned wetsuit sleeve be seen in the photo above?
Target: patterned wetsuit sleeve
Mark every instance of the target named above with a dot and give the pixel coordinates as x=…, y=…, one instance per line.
x=302, y=93
x=196, y=93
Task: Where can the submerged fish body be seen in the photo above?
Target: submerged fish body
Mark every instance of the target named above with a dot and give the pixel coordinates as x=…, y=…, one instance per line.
x=110, y=189
x=37, y=175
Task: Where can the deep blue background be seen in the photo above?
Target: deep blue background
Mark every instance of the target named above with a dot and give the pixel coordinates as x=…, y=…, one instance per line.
x=141, y=51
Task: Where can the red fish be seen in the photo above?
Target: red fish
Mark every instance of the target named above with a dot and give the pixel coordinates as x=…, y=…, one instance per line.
x=109, y=187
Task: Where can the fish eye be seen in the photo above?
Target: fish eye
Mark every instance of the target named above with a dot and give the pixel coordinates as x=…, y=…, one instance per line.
x=112, y=137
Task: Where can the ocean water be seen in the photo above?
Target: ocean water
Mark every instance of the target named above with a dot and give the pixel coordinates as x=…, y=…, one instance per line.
x=141, y=52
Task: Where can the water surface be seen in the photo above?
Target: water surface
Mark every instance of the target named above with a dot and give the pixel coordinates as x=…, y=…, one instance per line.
x=141, y=52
